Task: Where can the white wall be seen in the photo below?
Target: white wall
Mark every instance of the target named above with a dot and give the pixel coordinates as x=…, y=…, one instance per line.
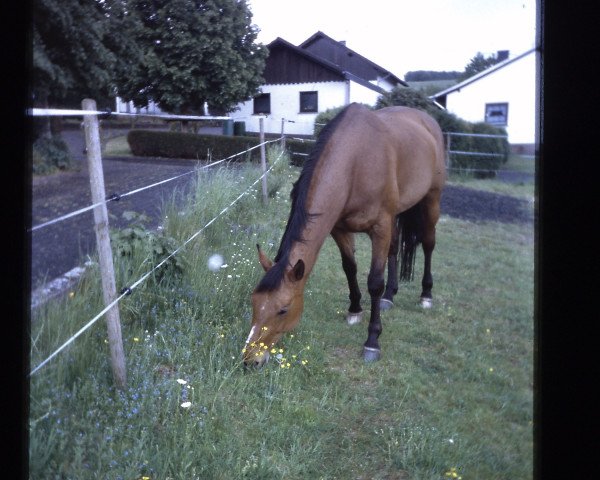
x=513, y=84
x=128, y=107
x=362, y=94
x=285, y=103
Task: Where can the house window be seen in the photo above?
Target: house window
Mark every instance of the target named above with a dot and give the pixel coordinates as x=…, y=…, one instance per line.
x=262, y=103
x=309, y=102
x=496, y=114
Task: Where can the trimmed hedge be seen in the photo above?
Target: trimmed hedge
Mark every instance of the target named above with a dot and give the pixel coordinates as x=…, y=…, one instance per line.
x=168, y=144
x=152, y=143
x=481, y=166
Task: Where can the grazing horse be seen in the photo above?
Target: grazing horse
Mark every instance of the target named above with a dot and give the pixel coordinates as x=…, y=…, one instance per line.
x=379, y=172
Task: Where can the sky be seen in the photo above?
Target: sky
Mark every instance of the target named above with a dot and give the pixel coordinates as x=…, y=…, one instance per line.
x=404, y=35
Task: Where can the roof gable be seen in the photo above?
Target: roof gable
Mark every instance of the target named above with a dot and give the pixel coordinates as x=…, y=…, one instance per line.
x=484, y=73
x=287, y=63
x=347, y=59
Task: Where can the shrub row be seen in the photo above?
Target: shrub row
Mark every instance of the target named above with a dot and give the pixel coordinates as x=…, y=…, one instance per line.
x=152, y=143
x=169, y=144
x=481, y=165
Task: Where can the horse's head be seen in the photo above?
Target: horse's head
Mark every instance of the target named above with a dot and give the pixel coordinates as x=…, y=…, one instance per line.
x=274, y=311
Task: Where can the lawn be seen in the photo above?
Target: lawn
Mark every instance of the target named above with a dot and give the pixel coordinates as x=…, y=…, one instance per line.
x=451, y=397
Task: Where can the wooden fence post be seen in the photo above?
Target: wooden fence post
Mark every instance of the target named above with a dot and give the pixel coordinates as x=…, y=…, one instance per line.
x=94, y=157
x=282, y=134
x=263, y=160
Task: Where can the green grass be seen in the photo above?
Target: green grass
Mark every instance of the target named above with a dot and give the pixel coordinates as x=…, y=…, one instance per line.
x=453, y=388
x=515, y=163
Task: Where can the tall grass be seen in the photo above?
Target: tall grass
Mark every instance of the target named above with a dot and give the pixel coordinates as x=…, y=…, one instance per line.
x=452, y=394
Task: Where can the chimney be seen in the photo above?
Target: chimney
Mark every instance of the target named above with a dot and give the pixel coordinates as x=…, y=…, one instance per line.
x=502, y=55
x=343, y=42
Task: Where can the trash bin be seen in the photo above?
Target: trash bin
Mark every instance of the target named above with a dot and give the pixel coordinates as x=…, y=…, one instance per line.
x=228, y=127
x=239, y=128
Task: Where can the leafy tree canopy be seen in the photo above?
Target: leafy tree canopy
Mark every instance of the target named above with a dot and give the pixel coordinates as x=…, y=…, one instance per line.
x=196, y=51
x=178, y=53
x=407, y=97
x=69, y=55
x=429, y=75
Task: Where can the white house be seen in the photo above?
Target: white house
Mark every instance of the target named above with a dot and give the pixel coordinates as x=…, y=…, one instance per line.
x=129, y=107
x=302, y=81
x=503, y=95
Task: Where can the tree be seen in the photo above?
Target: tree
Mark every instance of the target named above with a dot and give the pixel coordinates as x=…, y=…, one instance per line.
x=407, y=97
x=430, y=75
x=196, y=51
x=69, y=56
x=477, y=64
x=80, y=50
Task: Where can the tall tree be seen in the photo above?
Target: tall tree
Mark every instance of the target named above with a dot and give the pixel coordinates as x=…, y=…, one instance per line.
x=477, y=64
x=196, y=51
x=69, y=56
x=81, y=49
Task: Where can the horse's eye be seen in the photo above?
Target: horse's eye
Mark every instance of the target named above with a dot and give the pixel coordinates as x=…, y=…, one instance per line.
x=283, y=311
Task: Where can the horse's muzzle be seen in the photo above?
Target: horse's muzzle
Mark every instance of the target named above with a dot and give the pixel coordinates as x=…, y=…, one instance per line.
x=256, y=361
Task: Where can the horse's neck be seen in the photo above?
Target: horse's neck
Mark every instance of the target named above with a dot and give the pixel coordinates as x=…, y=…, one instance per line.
x=326, y=210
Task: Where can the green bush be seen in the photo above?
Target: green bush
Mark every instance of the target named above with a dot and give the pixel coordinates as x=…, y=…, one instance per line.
x=151, y=143
x=50, y=155
x=324, y=118
x=486, y=166
x=148, y=247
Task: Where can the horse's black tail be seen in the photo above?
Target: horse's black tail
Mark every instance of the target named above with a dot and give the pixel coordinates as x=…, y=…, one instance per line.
x=411, y=224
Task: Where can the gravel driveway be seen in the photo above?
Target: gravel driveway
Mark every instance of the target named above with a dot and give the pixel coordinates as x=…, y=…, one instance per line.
x=59, y=248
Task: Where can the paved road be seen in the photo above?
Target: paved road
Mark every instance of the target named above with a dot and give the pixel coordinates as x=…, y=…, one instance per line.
x=61, y=247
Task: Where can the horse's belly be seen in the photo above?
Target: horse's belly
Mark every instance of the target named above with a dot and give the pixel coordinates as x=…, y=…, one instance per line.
x=359, y=221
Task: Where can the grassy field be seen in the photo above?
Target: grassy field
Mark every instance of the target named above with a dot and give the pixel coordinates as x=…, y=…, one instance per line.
x=451, y=397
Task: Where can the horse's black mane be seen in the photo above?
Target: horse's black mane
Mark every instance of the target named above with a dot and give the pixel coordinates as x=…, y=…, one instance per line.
x=299, y=217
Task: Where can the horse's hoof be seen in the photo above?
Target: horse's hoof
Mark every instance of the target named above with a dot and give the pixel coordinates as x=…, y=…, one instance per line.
x=385, y=304
x=371, y=354
x=426, y=302
x=354, y=318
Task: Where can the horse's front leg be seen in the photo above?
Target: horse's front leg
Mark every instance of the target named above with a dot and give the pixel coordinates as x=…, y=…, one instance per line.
x=345, y=242
x=380, y=244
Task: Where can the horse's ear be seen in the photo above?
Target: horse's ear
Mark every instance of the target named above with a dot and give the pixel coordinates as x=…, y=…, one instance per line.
x=297, y=272
x=263, y=259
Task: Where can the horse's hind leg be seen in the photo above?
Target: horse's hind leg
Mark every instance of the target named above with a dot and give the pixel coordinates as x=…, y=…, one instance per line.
x=345, y=242
x=391, y=287
x=431, y=216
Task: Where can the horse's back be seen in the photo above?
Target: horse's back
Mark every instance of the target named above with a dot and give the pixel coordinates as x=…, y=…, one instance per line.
x=407, y=152
x=414, y=128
